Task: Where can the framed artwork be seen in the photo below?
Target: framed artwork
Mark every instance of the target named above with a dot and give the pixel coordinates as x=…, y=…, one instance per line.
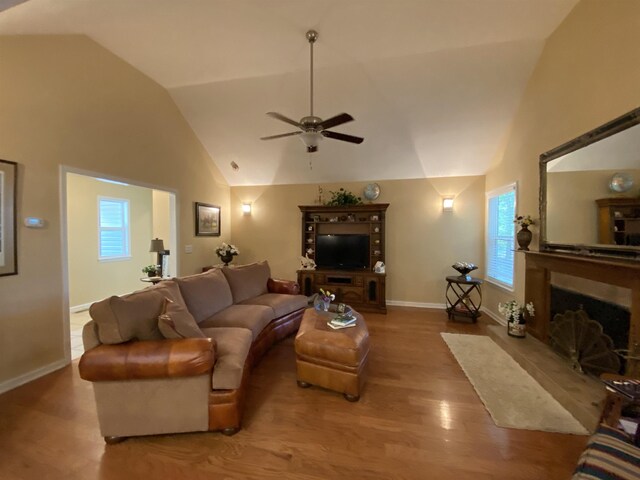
x=207, y=220
x=8, y=239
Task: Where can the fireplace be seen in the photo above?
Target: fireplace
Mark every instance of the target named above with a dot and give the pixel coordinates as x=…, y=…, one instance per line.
x=542, y=271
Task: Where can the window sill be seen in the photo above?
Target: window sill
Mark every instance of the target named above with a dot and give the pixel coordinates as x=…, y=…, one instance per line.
x=500, y=285
x=115, y=259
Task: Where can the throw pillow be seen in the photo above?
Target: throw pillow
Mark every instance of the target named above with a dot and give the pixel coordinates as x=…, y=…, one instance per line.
x=176, y=322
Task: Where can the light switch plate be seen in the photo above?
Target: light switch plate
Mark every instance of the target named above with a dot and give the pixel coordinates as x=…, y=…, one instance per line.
x=188, y=249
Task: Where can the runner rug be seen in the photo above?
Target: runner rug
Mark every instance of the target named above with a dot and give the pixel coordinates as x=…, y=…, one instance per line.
x=510, y=395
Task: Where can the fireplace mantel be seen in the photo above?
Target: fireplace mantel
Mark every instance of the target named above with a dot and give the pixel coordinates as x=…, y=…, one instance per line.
x=539, y=266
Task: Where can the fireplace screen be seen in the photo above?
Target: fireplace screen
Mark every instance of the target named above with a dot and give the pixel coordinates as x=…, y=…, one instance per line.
x=581, y=341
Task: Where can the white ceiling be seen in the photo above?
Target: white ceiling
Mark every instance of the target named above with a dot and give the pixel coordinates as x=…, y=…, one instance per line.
x=433, y=85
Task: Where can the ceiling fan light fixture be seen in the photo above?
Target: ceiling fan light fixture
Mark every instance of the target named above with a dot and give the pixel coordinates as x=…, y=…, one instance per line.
x=311, y=140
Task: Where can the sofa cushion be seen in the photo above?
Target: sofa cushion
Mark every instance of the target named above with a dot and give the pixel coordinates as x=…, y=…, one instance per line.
x=280, y=304
x=133, y=316
x=176, y=322
x=609, y=454
x=251, y=317
x=232, y=349
x=205, y=294
x=247, y=281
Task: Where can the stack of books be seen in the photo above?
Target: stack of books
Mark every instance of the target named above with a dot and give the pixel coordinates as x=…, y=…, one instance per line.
x=343, y=320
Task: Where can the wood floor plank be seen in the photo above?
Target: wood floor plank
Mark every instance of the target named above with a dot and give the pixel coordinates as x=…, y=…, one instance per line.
x=418, y=417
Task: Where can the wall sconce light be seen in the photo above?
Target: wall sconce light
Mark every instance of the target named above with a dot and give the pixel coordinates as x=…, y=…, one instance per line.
x=447, y=204
x=246, y=209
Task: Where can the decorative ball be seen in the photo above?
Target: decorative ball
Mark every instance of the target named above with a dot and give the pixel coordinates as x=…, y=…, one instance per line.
x=621, y=182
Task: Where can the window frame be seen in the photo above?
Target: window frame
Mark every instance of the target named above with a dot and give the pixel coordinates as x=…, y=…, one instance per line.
x=126, y=229
x=497, y=192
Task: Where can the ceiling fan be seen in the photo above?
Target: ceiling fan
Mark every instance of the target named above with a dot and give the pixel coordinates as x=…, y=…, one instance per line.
x=312, y=128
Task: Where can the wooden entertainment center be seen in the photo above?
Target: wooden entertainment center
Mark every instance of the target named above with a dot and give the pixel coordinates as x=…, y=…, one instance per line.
x=362, y=288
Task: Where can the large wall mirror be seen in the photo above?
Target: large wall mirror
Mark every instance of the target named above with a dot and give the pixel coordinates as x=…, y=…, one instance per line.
x=590, y=192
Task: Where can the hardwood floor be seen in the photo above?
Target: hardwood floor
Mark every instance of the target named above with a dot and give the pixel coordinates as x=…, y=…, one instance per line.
x=418, y=418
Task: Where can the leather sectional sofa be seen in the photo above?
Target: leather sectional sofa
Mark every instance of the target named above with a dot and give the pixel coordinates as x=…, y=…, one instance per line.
x=176, y=357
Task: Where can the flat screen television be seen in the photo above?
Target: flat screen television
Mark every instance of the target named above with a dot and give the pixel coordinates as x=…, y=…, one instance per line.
x=343, y=251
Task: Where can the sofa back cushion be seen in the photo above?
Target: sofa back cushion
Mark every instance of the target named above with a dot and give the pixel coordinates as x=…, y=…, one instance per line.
x=133, y=316
x=205, y=294
x=248, y=281
x=176, y=322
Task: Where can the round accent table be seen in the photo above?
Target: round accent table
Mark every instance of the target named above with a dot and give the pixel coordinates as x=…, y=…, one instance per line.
x=464, y=297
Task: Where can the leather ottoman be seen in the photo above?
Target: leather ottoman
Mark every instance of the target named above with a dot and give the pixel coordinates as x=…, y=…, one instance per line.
x=333, y=359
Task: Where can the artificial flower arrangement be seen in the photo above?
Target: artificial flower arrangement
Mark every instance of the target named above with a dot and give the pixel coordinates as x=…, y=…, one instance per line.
x=524, y=220
x=514, y=311
x=326, y=296
x=225, y=250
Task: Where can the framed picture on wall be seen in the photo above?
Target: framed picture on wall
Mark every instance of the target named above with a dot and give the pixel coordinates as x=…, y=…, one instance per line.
x=207, y=220
x=8, y=244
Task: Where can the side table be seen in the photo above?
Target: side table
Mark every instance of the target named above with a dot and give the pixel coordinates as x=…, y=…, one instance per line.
x=154, y=280
x=464, y=297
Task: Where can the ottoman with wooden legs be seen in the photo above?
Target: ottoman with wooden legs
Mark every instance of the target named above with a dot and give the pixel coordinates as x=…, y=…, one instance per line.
x=332, y=359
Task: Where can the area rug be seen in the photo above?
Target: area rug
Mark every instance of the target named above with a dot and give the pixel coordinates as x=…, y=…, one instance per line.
x=510, y=395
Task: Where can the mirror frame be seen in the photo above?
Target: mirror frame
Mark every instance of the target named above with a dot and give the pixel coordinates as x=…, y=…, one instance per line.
x=616, y=125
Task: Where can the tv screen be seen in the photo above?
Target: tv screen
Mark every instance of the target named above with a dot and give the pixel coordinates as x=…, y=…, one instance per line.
x=342, y=251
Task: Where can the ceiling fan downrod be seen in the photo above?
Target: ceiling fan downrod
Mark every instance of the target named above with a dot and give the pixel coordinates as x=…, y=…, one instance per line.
x=312, y=36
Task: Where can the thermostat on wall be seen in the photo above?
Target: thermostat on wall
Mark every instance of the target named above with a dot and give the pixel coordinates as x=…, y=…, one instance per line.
x=33, y=222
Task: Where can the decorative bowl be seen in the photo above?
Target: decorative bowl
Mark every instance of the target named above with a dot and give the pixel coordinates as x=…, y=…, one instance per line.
x=464, y=268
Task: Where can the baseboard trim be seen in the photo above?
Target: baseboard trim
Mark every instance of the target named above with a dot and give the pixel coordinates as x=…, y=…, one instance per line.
x=32, y=375
x=400, y=303
x=80, y=308
x=494, y=316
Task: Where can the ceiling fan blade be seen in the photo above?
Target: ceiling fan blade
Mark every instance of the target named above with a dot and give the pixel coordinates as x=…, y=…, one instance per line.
x=342, y=136
x=280, y=135
x=278, y=116
x=337, y=120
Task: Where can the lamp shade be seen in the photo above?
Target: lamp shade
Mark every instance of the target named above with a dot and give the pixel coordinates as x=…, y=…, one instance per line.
x=157, y=245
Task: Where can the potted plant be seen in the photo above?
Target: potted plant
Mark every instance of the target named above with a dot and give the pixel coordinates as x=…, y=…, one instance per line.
x=343, y=197
x=516, y=313
x=524, y=235
x=226, y=252
x=150, y=270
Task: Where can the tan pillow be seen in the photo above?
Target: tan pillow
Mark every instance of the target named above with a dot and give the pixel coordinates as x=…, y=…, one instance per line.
x=205, y=294
x=133, y=316
x=176, y=322
x=248, y=281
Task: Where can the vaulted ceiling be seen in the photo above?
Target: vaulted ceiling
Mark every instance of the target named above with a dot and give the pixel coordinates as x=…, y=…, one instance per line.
x=433, y=85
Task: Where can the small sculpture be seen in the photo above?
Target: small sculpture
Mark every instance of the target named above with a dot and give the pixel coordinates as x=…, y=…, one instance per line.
x=307, y=263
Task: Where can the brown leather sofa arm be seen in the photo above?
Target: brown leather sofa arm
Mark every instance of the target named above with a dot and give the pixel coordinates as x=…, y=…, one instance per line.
x=148, y=359
x=288, y=287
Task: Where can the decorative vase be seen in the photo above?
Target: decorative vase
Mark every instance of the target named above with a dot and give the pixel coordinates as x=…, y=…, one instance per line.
x=151, y=274
x=517, y=328
x=226, y=259
x=524, y=238
x=325, y=305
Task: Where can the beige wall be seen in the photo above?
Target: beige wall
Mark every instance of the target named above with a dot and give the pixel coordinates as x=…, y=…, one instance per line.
x=588, y=73
x=89, y=278
x=66, y=101
x=422, y=242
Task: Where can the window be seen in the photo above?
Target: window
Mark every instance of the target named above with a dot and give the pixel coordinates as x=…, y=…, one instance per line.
x=113, y=223
x=501, y=210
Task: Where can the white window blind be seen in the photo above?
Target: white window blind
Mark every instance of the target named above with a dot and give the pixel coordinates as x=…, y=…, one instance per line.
x=113, y=228
x=501, y=210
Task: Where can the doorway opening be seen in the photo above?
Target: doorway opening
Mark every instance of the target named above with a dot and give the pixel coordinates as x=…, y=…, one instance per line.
x=108, y=228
